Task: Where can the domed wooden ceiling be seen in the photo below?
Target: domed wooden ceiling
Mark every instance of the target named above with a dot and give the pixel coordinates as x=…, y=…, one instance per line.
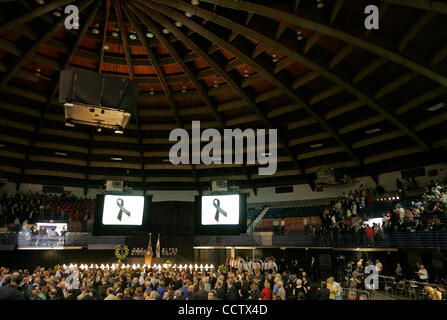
x=339, y=95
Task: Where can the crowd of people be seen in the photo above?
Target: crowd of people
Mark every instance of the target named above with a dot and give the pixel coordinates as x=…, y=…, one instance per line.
x=23, y=209
x=342, y=225
x=239, y=279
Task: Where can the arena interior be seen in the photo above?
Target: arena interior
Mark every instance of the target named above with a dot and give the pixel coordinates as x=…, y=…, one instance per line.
x=223, y=150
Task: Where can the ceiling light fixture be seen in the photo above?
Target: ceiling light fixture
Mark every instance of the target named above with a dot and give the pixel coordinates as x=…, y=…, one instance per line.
x=436, y=107
x=106, y=47
x=41, y=2
x=63, y=154
x=132, y=35
x=115, y=34
x=184, y=89
x=320, y=4
x=195, y=2
x=165, y=31
x=119, y=131
x=316, y=145
x=371, y=131
x=151, y=91
x=57, y=14
x=116, y=158
x=274, y=58
x=98, y=129
x=299, y=35
x=188, y=14
x=95, y=31
x=178, y=24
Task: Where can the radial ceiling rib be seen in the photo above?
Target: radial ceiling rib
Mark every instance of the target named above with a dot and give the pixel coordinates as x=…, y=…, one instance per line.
x=104, y=36
x=287, y=50
x=255, y=65
x=56, y=85
x=162, y=78
x=219, y=69
x=294, y=19
x=30, y=52
x=128, y=55
x=39, y=11
x=202, y=91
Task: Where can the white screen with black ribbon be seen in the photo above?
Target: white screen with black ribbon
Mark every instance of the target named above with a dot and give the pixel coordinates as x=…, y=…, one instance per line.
x=220, y=209
x=123, y=210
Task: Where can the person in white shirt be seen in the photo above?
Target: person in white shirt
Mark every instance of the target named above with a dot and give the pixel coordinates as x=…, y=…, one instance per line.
x=423, y=274
x=379, y=266
x=274, y=266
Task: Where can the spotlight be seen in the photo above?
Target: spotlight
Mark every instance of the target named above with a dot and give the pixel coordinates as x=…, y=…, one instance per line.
x=178, y=24
x=57, y=14
x=132, y=36
x=95, y=31
x=98, y=129
x=300, y=35
x=216, y=84
x=115, y=33
x=41, y=2
x=320, y=4
x=119, y=131
x=188, y=14
x=184, y=89
x=195, y=2
x=165, y=31
x=151, y=91
x=149, y=34
x=274, y=58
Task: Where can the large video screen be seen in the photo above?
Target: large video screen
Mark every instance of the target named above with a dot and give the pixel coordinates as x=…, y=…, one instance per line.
x=123, y=210
x=120, y=214
x=221, y=214
x=220, y=210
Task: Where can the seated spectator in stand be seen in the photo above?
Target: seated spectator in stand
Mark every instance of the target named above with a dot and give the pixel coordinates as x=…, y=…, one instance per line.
x=276, y=227
x=283, y=226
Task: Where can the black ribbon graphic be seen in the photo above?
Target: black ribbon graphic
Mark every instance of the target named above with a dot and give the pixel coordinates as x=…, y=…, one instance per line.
x=120, y=204
x=216, y=204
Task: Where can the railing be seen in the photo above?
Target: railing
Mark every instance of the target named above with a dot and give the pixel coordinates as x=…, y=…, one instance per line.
x=386, y=240
x=11, y=240
x=358, y=293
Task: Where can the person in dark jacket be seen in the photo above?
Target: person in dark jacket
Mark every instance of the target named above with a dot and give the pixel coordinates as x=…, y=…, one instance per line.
x=231, y=293
x=11, y=291
x=221, y=290
x=323, y=292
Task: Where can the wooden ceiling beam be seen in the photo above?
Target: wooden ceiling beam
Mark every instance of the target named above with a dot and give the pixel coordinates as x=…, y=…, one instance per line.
x=230, y=80
x=162, y=77
x=315, y=26
x=286, y=49
x=37, y=12
x=28, y=55
x=31, y=51
x=335, y=10
x=252, y=63
x=119, y=14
